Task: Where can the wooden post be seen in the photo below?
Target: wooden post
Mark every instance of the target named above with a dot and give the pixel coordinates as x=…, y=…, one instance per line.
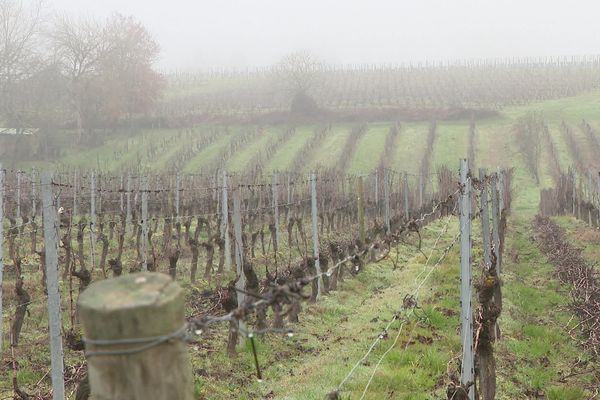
x=127, y=313
x=54, y=320
x=361, y=209
x=466, y=284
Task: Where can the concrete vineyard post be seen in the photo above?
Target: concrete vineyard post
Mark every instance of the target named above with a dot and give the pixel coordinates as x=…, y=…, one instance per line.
x=51, y=245
x=18, y=196
x=93, y=220
x=121, y=195
x=128, y=204
x=496, y=221
x=225, y=224
x=421, y=191
x=361, y=209
x=135, y=347
x=275, y=193
x=145, y=226
x=1, y=253
x=239, y=258
x=377, y=191
x=466, y=284
x=33, y=193
x=589, y=197
x=315, y=232
x=485, y=218
x=177, y=189
x=574, y=194
x=406, y=205
x=386, y=193
x=74, y=211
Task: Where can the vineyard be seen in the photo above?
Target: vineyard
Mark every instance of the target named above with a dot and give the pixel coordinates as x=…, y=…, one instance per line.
x=338, y=258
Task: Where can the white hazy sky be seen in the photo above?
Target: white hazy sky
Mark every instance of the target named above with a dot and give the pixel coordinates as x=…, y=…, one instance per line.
x=198, y=34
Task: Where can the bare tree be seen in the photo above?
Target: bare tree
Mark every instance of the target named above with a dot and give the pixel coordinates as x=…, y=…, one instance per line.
x=299, y=72
x=131, y=84
x=79, y=45
x=20, y=27
x=109, y=67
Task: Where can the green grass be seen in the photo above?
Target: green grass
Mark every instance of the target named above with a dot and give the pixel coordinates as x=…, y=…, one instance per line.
x=533, y=353
x=207, y=155
x=239, y=160
x=574, y=109
x=328, y=153
x=284, y=156
x=452, y=143
x=410, y=147
x=492, y=143
x=370, y=148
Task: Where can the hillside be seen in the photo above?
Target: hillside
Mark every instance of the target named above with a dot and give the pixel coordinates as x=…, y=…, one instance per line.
x=539, y=354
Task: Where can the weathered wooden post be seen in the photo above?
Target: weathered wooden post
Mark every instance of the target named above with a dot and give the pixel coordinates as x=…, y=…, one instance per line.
x=135, y=330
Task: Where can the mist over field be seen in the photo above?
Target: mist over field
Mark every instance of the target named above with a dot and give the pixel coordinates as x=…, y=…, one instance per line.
x=299, y=200
x=239, y=33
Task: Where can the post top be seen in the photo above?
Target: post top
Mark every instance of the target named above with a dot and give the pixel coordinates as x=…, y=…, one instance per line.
x=129, y=291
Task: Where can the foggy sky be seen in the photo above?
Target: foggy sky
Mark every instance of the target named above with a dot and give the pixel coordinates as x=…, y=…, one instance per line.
x=198, y=34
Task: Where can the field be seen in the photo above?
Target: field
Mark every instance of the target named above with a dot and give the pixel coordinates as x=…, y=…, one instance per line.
x=539, y=354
